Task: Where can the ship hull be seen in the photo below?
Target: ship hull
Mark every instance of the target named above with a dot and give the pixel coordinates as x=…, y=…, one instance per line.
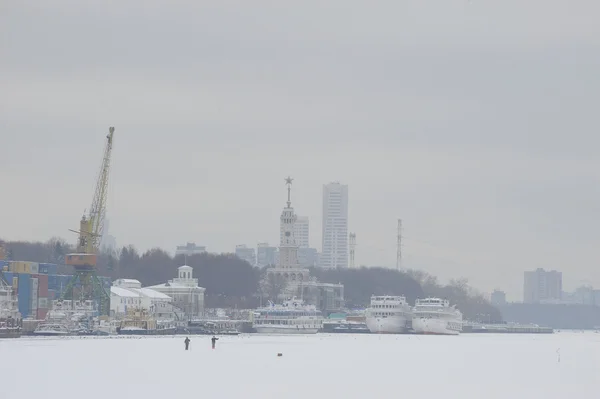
x=51, y=334
x=437, y=326
x=273, y=329
x=147, y=332
x=388, y=325
x=10, y=333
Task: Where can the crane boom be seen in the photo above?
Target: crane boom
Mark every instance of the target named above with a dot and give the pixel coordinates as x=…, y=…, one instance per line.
x=90, y=231
x=98, y=209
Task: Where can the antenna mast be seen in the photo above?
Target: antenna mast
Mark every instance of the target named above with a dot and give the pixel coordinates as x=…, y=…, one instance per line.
x=399, y=246
x=352, y=249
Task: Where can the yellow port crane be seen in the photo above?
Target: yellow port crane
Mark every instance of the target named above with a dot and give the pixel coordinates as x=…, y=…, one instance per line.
x=90, y=233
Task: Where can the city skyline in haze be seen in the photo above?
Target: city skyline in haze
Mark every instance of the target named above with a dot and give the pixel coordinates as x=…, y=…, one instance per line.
x=472, y=122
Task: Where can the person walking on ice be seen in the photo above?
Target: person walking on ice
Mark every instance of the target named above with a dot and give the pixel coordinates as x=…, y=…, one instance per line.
x=214, y=341
x=187, y=343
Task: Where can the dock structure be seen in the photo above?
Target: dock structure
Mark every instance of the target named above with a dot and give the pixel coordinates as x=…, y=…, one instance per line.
x=508, y=328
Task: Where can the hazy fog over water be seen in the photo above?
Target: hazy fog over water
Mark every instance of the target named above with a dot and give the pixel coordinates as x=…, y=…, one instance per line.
x=473, y=121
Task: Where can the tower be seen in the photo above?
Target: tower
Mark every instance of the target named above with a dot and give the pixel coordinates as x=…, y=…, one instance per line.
x=399, y=246
x=352, y=248
x=288, y=249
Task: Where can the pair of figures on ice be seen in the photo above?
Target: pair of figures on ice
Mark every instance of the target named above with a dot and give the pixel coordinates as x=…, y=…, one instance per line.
x=213, y=340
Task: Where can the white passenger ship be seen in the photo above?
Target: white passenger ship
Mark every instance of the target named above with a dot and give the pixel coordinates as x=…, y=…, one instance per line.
x=291, y=317
x=436, y=316
x=389, y=315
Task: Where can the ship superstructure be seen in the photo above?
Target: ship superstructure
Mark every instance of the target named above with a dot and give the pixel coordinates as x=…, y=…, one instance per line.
x=290, y=317
x=10, y=318
x=436, y=316
x=389, y=314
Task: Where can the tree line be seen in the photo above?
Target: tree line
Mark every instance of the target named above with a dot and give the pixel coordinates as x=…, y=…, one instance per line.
x=233, y=282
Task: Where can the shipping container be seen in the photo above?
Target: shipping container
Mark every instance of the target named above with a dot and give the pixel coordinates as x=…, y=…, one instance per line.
x=34, y=267
x=43, y=285
x=8, y=277
x=52, y=281
x=23, y=267
x=34, y=294
x=43, y=303
x=41, y=314
x=24, y=296
x=48, y=268
x=52, y=296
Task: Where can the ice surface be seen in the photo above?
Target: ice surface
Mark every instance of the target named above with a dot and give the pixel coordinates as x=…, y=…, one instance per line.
x=318, y=366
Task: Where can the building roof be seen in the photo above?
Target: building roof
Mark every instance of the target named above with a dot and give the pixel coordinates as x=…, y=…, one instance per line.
x=175, y=286
x=150, y=293
x=123, y=292
x=184, y=267
x=128, y=280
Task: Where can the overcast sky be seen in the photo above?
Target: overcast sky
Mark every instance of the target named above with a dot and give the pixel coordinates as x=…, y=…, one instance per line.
x=476, y=122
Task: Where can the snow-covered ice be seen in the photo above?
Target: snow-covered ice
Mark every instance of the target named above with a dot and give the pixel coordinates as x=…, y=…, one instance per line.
x=318, y=366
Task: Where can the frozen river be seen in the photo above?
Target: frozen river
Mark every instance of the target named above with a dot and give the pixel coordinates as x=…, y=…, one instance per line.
x=318, y=366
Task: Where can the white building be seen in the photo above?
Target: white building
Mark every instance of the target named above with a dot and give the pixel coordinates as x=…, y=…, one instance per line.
x=128, y=294
x=542, y=286
x=288, y=266
x=327, y=297
x=334, y=251
x=187, y=295
x=301, y=229
x=190, y=249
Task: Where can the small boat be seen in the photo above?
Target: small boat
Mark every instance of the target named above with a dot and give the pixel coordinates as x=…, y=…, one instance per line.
x=139, y=322
x=52, y=330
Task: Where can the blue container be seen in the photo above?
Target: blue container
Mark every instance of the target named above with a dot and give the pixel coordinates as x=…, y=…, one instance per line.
x=8, y=277
x=52, y=282
x=24, y=296
x=48, y=268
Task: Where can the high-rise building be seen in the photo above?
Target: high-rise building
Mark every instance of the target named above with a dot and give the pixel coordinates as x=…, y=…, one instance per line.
x=542, y=286
x=108, y=242
x=498, y=297
x=189, y=249
x=301, y=232
x=334, y=251
x=245, y=253
x=266, y=255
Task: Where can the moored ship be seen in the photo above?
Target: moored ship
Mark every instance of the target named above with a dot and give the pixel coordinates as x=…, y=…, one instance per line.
x=436, y=316
x=389, y=314
x=10, y=318
x=139, y=322
x=291, y=317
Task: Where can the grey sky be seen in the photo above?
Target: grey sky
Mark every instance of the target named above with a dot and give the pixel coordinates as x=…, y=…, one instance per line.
x=476, y=122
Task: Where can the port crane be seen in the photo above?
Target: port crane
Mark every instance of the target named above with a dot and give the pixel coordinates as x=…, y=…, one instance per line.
x=90, y=231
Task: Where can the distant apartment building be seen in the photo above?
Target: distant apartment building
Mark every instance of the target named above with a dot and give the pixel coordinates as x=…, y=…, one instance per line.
x=266, y=255
x=334, y=251
x=301, y=229
x=498, y=297
x=245, y=253
x=308, y=257
x=189, y=249
x=108, y=242
x=541, y=286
